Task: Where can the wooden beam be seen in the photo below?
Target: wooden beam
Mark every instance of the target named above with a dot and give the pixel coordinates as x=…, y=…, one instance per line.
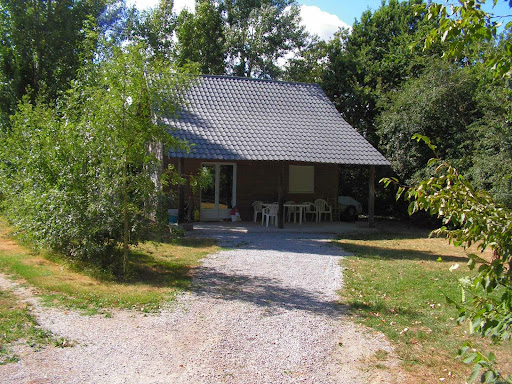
x=181, y=192
x=280, y=196
x=371, y=198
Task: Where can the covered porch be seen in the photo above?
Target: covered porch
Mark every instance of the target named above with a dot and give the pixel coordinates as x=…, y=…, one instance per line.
x=239, y=184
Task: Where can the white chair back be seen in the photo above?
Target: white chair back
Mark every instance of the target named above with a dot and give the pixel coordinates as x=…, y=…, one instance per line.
x=320, y=205
x=272, y=210
x=258, y=205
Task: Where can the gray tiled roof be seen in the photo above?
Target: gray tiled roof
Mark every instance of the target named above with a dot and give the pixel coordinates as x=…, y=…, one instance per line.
x=232, y=118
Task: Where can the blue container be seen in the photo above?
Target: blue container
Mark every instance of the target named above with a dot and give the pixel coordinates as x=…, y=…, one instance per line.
x=173, y=219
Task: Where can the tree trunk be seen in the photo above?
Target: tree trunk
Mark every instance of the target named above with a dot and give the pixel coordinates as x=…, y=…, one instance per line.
x=126, y=248
x=371, y=198
x=181, y=192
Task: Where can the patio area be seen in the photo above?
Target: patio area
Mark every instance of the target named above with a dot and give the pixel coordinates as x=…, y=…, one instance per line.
x=333, y=228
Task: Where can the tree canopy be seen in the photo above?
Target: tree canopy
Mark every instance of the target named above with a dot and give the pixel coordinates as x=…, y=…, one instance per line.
x=41, y=46
x=373, y=59
x=201, y=38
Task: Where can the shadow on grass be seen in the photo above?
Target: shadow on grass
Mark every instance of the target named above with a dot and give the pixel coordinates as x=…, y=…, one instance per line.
x=194, y=242
x=357, y=306
x=383, y=234
x=382, y=253
x=167, y=238
x=144, y=269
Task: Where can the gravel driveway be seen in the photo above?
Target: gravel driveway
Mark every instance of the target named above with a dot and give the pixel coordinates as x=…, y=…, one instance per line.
x=263, y=311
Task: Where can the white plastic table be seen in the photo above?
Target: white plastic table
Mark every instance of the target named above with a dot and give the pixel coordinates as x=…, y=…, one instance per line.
x=302, y=207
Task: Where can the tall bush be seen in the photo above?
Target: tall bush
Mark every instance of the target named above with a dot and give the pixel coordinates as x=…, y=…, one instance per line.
x=77, y=176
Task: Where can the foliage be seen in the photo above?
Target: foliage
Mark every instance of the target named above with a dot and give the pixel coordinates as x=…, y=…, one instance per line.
x=466, y=23
x=201, y=38
x=309, y=64
x=492, y=157
x=471, y=217
x=259, y=33
x=155, y=29
x=374, y=59
x=41, y=46
x=76, y=176
x=203, y=179
x=248, y=38
x=440, y=103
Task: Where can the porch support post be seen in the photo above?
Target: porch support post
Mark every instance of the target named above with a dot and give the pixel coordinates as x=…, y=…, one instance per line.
x=280, y=196
x=371, y=198
x=181, y=192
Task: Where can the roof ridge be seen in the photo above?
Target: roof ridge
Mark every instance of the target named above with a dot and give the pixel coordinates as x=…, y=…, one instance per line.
x=258, y=80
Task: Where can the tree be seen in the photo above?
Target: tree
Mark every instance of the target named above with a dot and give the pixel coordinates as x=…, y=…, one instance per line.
x=309, y=64
x=260, y=34
x=77, y=176
x=374, y=59
x=441, y=104
x=155, y=28
x=201, y=38
x=463, y=25
x=41, y=46
x=470, y=216
x=492, y=158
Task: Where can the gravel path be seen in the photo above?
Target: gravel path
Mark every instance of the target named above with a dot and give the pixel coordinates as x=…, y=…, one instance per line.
x=262, y=312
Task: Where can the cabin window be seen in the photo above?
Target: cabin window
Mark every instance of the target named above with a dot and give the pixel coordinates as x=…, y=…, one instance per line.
x=301, y=179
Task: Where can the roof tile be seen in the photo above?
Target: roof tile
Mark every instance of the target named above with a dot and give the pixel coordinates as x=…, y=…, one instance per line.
x=240, y=118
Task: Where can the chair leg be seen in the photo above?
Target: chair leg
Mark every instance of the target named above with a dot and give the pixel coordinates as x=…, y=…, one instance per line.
x=262, y=218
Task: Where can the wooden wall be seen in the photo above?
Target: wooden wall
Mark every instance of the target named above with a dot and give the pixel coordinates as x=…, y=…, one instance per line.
x=259, y=180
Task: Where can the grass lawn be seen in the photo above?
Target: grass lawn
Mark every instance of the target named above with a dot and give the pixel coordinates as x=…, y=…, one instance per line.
x=158, y=270
x=394, y=283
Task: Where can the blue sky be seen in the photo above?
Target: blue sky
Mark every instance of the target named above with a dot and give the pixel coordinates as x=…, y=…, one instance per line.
x=346, y=10
x=324, y=17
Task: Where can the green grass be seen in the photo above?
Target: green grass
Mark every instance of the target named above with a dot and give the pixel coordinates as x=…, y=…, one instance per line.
x=394, y=283
x=17, y=325
x=157, y=270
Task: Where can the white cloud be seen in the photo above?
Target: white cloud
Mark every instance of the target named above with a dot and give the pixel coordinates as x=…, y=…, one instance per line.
x=321, y=23
x=178, y=4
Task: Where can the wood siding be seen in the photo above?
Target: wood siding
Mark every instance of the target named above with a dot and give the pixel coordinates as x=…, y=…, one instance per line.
x=259, y=180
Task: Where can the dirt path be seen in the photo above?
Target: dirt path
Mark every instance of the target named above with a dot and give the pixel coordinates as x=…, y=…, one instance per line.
x=263, y=312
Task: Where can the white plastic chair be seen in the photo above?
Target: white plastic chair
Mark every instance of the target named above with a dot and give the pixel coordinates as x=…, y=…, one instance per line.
x=322, y=208
x=258, y=208
x=270, y=211
x=309, y=210
x=291, y=210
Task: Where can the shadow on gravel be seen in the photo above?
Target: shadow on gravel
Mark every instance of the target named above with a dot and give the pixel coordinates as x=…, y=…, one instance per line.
x=316, y=244
x=261, y=291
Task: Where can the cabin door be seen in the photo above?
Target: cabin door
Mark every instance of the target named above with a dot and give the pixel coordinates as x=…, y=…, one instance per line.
x=218, y=200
